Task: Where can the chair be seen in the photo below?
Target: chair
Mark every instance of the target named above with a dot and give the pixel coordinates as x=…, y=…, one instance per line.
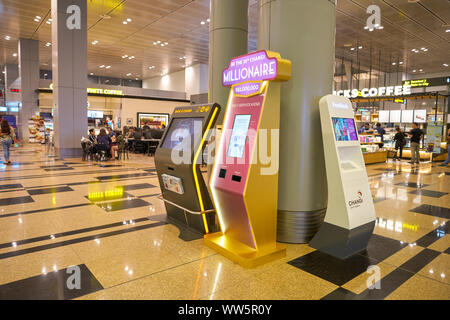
x=87, y=151
x=123, y=150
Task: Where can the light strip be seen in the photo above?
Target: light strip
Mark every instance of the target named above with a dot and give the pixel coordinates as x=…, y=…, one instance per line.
x=194, y=168
x=219, y=157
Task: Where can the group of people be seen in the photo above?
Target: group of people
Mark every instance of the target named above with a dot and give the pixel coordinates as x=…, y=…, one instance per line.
x=415, y=134
x=133, y=135
x=107, y=140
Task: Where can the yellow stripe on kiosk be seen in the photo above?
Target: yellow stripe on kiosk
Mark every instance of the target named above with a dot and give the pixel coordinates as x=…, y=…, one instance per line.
x=244, y=188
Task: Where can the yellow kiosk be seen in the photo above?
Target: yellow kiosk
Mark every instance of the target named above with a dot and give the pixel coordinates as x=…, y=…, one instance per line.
x=244, y=191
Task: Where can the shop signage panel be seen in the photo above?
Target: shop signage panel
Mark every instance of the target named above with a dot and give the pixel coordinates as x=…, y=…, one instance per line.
x=395, y=116
x=383, y=116
x=407, y=116
x=420, y=116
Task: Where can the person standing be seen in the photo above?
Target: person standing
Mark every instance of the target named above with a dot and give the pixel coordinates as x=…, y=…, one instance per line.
x=364, y=128
x=381, y=132
x=447, y=161
x=7, y=137
x=416, y=135
x=400, y=142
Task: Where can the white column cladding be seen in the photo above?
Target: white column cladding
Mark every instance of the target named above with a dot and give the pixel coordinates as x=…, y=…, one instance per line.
x=69, y=64
x=29, y=80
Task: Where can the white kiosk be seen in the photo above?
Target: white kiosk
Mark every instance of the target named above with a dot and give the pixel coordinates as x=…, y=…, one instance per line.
x=350, y=216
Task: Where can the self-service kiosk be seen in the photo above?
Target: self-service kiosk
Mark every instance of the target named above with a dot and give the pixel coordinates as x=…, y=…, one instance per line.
x=244, y=194
x=350, y=217
x=178, y=165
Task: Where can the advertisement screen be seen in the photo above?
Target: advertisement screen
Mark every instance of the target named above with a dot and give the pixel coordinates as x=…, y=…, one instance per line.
x=420, y=116
x=182, y=130
x=152, y=119
x=344, y=129
x=236, y=146
x=95, y=114
x=407, y=116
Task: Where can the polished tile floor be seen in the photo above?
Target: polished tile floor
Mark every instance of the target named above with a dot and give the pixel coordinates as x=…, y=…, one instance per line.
x=103, y=222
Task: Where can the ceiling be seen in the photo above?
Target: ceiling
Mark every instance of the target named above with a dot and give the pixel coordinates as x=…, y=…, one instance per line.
x=406, y=25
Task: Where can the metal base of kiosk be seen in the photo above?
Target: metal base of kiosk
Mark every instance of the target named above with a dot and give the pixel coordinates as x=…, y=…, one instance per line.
x=242, y=254
x=340, y=242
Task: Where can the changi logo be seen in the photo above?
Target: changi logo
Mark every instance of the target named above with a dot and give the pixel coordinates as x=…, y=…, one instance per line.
x=74, y=20
x=357, y=202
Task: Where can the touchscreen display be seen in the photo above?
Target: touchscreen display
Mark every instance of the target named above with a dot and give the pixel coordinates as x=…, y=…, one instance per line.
x=180, y=129
x=236, y=146
x=344, y=129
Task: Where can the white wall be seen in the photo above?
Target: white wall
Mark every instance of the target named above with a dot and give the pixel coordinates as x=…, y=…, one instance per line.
x=170, y=82
x=130, y=108
x=192, y=80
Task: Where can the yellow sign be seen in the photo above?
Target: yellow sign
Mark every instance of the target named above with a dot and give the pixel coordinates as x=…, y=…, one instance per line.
x=417, y=83
x=108, y=92
x=183, y=110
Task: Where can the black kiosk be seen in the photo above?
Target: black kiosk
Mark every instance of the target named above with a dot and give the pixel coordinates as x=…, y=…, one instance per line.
x=178, y=160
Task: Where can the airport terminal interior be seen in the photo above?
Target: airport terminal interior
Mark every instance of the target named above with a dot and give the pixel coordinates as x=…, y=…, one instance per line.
x=225, y=149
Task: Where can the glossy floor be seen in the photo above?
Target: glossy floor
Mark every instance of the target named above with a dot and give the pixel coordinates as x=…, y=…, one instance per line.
x=81, y=230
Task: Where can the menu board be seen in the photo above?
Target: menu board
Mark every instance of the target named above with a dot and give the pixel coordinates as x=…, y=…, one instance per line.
x=434, y=137
x=407, y=116
x=395, y=116
x=236, y=146
x=344, y=129
x=420, y=116
x=383, y=116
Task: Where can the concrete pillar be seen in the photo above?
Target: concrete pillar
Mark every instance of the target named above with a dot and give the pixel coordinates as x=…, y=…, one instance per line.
x=303, y=32
x=11, y=74
x=69, y=65
x=29, y=83
x=228, y=38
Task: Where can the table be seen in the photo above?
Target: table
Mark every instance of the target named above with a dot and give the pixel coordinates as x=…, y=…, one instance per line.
x=146, y=141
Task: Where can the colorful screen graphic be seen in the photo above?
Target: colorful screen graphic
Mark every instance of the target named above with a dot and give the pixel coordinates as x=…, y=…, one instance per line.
x=236, y=146
x=182, y=130
x=344, y=129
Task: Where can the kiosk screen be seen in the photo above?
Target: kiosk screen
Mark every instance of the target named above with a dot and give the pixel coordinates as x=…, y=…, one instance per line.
x=236, y=146
x=180, y=129
x=344, y=129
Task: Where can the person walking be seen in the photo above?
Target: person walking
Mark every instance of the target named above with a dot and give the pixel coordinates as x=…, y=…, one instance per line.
x=416, y=135
x=400, y=142
x=7, y=137
x=447, y=161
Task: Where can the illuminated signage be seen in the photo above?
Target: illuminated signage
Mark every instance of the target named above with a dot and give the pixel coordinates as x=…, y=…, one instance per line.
x=402, y=101
x=14, y=109
x=15, y=90
x=421, y=83
x=3, y=109
x=108, y=92
x=375, y=92
x=256, y=66
x=95, y=114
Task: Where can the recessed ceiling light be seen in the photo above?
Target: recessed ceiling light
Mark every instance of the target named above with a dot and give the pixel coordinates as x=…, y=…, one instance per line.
x=38, y=17
x=208, y=20
x=158, y=42
x=107, y=67
x=448, y=30
x=420, y=70
x=380, y=27
x=203, y=22
x=137, y=78
x=14, y=54
x=7, y=38
x=352, y=49
x=94, y=42
x=129, y=20
x=162, y=44
x=445, y=65
x=124, y=22
x=393, y=63
x=401, y=62
x=414, y=70
x=360, y=47
x=124, y=56
x=102, y=66
x=166, y=43
x=37, y=20
x=128, y=74
x=91, y=74
x=155, y=43
x=131, y=57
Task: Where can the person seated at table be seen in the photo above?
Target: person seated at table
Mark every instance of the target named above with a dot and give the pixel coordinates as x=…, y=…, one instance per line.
x=148, y=134
x=103, y=141
x=114, y=147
